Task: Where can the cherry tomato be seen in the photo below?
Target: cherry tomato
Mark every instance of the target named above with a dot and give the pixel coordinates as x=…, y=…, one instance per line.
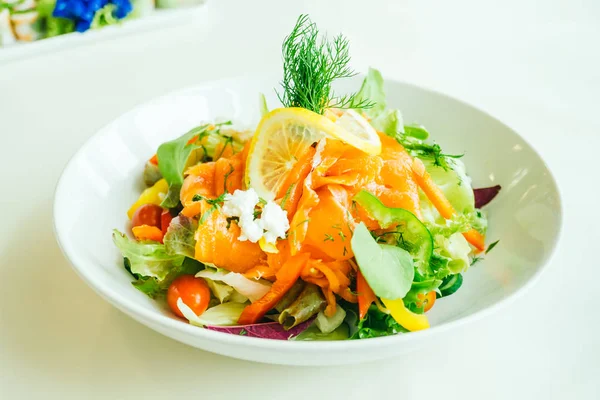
x=426, y=300
x=165, y=221
x=147, y=214
x=194, y=293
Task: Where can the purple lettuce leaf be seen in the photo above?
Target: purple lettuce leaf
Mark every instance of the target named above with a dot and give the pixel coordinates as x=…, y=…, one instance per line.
x=484, y=195
x=267, y=330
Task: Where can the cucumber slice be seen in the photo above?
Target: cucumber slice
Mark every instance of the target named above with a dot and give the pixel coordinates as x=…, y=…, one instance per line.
x=410, y=233
x=450, y=285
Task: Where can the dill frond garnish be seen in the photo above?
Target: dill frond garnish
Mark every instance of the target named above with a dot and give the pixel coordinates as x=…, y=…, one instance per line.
x=310, y=65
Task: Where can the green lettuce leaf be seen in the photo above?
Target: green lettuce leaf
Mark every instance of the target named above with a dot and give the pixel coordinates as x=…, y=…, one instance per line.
x=388, y=121
x=388, y=269
x=329, y=324
x=153, y=287
x=457, y=249
x=153, y=268
x=173, y=158
x=249, y=288
x=372, y=90
x=376, y=324
x=220, y=315
x=179, y=239
x=312, y=333
x=147, y=258
x=151, y=174
x=455, y=183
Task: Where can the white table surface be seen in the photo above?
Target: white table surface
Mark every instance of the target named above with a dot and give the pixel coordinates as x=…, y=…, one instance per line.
x=533, y=64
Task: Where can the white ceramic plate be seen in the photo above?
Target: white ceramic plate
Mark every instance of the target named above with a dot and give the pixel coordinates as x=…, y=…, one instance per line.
x=104, y=178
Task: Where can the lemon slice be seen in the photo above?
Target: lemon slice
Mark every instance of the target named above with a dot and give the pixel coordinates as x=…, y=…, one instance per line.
x=285, y=134
x=358, y=132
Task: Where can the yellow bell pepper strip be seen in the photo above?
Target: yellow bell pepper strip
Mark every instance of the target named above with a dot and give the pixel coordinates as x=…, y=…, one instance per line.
x=405, y=317
x=152, y=195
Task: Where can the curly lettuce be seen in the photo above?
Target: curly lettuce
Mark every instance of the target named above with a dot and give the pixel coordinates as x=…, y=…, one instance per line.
x=152, y=266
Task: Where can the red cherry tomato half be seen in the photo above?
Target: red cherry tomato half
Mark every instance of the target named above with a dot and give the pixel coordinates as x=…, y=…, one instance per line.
x=426, y=300
x=194, y=293
x=147, y=214
x=165, y=221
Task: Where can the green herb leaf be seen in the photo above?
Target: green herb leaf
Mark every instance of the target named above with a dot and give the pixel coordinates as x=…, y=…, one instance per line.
x=388, y=269
x=310, y=65
x=491, y=246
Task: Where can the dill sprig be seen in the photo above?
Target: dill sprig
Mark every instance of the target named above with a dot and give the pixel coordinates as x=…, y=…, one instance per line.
x=310, y=65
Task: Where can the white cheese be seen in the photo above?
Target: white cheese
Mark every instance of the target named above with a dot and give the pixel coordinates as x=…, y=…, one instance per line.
x=240, y=203
x=272, y=224
x=275, y=222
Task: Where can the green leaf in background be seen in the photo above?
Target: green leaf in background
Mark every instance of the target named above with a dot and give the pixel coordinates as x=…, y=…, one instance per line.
x=388, y=269
x=53, y=26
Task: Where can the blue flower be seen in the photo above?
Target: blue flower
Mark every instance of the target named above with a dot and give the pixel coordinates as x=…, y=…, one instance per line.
x=82, y=11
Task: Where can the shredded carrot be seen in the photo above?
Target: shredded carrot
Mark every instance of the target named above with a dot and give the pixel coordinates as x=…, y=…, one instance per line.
x=365, y=295
x=334, y=282
x=475, y=238
x=331, y=303
x=349, y=296
x=284, y=280
x=147, y=232
x=441, y=203
x=154, y=159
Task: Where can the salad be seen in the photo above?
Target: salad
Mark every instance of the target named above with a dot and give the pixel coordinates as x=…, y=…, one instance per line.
x=329, y=220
